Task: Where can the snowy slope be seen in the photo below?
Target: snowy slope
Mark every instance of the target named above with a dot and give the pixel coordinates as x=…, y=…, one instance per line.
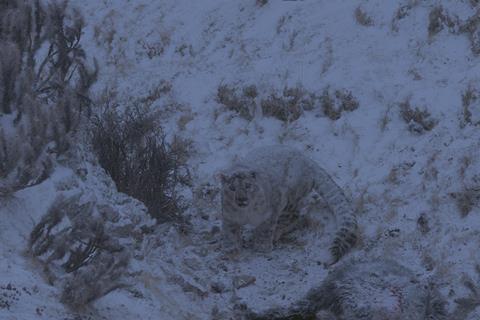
x=392, y=174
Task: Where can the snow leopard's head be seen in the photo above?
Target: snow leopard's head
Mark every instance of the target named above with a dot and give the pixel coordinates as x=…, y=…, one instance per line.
x=239, y=187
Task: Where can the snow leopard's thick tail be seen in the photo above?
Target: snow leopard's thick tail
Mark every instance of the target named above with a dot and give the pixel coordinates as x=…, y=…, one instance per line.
x=346, y=234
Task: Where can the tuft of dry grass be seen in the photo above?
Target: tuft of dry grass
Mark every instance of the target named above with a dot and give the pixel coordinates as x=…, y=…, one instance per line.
x=423, y=223
x=418, y=120
x=362, y=17
x=132, y=147
x=466, y=199
x=438, y=19
x=287, y=105
x=241, y=103
x=334, y=104
x=468, y=98
x=401, y=13
x=277, y=107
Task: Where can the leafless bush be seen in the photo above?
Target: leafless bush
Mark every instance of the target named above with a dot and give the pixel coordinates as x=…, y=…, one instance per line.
x=362, y=17
x=418, y=121
x=74, y=243
x=132, y=148
x=333, y=104
x=241, y=103
x=44, y=84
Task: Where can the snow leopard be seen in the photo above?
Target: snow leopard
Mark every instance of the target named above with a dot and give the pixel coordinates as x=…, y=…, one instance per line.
x=365, y=290
x=274, y=181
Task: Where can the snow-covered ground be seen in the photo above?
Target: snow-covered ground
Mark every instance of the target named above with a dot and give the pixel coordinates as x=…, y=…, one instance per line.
x=393, y=176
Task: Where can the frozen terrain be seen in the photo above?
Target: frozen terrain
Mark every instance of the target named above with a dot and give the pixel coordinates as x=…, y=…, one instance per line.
x=407, y=183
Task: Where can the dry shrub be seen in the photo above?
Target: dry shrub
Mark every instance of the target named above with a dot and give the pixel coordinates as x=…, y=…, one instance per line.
x=362, y=17
x=132, y=147
x=74, y=242
x=44, y=87
x=418, y=120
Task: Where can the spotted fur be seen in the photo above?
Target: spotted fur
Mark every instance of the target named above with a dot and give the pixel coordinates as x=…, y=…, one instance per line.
x=276, y=180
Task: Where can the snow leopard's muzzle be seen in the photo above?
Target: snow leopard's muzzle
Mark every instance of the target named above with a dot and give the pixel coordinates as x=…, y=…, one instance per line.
x=242, y=202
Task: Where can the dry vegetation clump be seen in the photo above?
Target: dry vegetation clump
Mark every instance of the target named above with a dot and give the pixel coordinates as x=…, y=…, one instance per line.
x=470, y=107
x=362, y=17
x=466, y=199
x=465, y=305
x=400, y=14
x=132, y=147
x=333, y=105
x=418, y=120
x=289, y=105
x=243, y=103
x=261, y=3
x=472, y=30
x=423, y=223
x=44, y=87
x=438, y=19
x=74, y=242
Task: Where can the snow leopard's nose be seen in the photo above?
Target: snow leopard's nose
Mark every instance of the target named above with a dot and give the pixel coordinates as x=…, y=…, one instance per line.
x=242, y=201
